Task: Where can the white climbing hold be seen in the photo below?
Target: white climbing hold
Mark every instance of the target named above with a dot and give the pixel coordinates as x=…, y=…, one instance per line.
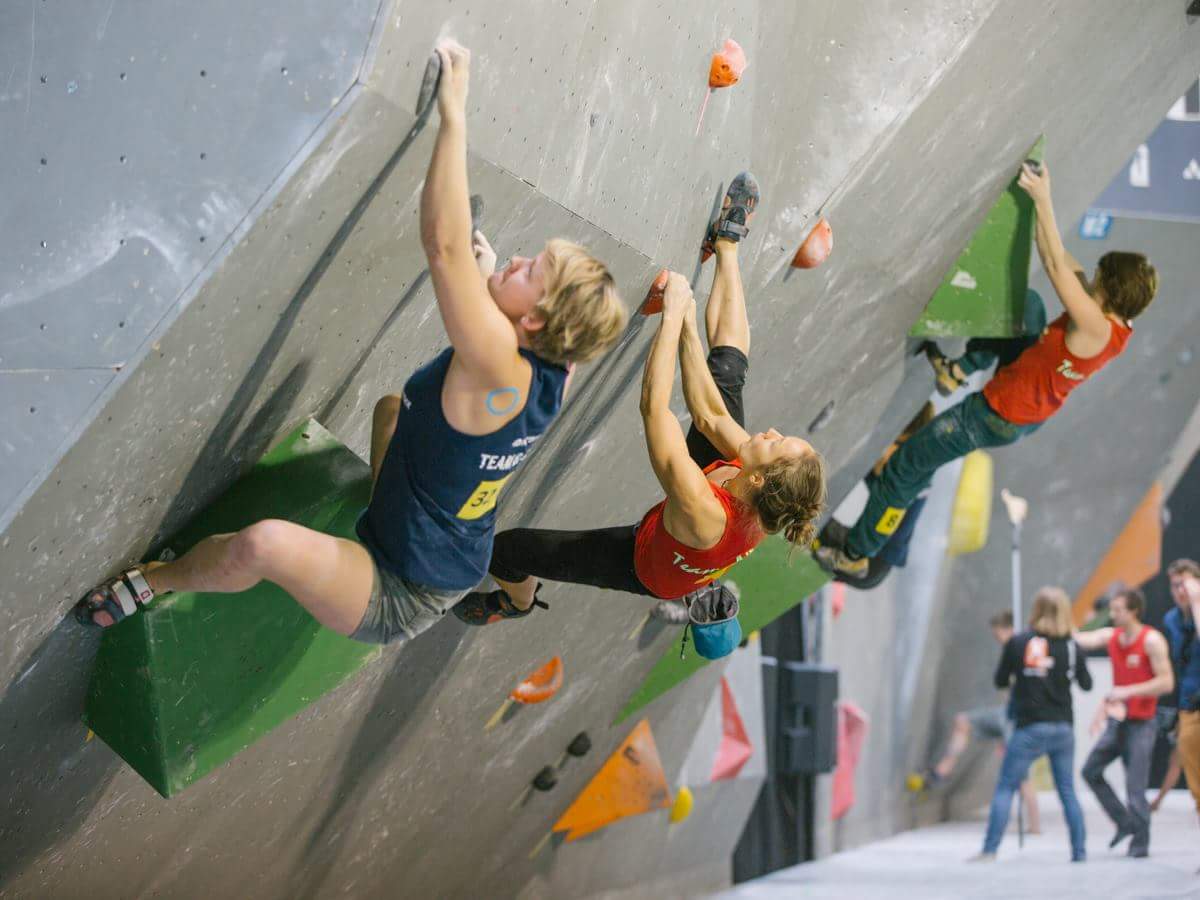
x=964, y=279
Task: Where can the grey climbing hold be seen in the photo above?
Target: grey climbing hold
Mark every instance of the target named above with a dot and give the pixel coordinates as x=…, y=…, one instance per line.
x=822, y=418
x=429, y=85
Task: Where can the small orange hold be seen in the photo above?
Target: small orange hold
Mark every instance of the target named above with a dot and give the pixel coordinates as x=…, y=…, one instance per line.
x=540, y=685
x=654, y=297
x=816, y=247
x=727, y=66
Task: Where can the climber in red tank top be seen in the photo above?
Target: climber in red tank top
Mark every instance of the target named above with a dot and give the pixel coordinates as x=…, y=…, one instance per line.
x=1035, y=374
x=1142, y=671
x=725, y=488
x=670, y=568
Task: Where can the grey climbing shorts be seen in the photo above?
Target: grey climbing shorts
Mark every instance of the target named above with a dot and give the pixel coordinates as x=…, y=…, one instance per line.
x=989, y=723
x=400, y=609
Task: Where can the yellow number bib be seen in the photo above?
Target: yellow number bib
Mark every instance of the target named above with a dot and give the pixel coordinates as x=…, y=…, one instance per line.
x=482, y=500
x=890, y=520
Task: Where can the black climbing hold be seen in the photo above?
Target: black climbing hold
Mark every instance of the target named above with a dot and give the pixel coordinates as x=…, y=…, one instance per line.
x=822, y=418
x=1035, y=165
x=429, y=85
x=546, y=779
x=580, y=745
x=476, y=211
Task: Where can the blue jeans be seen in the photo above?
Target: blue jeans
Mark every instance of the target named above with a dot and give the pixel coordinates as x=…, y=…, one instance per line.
x=955, y=433
x=1056, y=740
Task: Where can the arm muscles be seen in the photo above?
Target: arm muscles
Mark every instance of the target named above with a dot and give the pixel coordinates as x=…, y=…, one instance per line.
x=703, y=398
x=1083, y=310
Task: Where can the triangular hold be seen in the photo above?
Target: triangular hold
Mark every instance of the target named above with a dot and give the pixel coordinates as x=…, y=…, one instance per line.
x=983, y=294
x=630, y=782
x=735, y=746
x=1132, y=559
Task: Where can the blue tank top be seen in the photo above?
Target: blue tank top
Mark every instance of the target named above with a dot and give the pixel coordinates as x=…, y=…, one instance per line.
x=433, y=514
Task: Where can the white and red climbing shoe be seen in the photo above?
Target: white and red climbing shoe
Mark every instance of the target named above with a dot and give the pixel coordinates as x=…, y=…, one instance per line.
x=119, y=598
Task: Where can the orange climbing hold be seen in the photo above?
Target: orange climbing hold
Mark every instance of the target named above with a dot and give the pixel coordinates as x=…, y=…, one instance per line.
x=630, y=782
x=725, y=70
x=816, y=246
x=727, y=66
x=540, y=685
x=654, y=297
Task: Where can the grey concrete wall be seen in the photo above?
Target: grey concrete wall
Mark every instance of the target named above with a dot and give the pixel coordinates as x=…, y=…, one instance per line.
x=899, y=122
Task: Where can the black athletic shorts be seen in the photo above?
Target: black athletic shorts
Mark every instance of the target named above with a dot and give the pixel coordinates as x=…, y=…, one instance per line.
x=728, y=366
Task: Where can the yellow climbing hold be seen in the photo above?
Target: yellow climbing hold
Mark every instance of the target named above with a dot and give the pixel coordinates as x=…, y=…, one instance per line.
x=682, y=807
x=972, y=505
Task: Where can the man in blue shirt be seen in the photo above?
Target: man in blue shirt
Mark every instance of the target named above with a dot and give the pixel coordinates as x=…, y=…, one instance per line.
x=1180, y=628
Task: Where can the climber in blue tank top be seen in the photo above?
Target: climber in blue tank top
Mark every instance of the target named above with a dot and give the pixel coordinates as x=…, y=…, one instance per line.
x=442, y=449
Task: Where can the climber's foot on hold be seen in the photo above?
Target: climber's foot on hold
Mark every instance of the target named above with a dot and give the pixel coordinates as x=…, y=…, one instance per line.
x=949, y=377
x=837, y=561
x=113, y=600
x=733, y=222
x=478, y=608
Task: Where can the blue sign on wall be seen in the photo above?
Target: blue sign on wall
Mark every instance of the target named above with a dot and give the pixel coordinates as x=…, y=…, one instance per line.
x=1094, y=225
x=1162, y=180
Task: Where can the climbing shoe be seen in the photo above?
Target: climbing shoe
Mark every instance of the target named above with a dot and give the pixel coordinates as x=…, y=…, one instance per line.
x=478, y=608
x=837, y=561
x=948, y=375
x=733, y=222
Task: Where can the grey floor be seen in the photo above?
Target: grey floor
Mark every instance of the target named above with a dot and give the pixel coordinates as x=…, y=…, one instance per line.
x=929, y=863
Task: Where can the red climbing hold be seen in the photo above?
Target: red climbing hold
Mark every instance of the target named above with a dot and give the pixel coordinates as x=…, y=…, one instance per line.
x=816, y=246
x=540, y=685
x=654, y=297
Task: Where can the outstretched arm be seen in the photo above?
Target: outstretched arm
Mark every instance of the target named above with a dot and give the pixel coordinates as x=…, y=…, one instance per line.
x=1064, y=272
x=703, y=398
x=691, y=509
x=482, y=337
x=1093, y=640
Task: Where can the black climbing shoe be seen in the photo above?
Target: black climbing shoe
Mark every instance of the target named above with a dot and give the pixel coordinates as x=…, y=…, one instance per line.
x=733, y=222
x=495, y=606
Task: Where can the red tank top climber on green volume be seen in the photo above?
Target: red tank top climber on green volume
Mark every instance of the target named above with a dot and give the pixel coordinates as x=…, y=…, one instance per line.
x=1132, y=666
x=670, y=569
x=1033, y=388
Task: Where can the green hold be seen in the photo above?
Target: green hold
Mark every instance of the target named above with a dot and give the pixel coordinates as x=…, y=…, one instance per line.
x=983, y=294
x=189, y=683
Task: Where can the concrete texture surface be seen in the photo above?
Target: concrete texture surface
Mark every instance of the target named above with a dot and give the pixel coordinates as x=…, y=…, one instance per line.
x=308, y=296
x=931, y=863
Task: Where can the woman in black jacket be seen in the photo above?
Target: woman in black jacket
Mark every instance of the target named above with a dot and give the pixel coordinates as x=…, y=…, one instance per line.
x=1043, y=661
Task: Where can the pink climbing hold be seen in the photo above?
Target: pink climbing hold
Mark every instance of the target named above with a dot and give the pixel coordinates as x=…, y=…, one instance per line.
x=816, y=246
x=725, y=70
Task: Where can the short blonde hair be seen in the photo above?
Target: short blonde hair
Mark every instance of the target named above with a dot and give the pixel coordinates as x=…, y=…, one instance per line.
x=1051, y=614
x=583, y=313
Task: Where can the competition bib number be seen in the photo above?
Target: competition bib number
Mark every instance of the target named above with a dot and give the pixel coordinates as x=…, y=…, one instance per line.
x=889, y=521
x=482, y=500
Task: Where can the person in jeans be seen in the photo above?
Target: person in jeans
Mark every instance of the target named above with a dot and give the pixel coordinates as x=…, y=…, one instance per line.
x=1034, y=378
x=1040, y=664
x=1180, y=627
x=1141, y=672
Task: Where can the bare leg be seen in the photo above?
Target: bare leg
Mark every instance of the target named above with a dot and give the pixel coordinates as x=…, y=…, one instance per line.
x=329, y=576
x=725, y=319
x=519, y=592
x=960, y=737
x=1033, y=818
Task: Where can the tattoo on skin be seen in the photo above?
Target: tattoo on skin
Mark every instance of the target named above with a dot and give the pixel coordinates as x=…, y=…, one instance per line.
x=502, y=400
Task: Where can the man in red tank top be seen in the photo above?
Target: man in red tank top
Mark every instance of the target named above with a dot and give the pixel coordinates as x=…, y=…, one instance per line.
x=1142, y=671
x=1035, y=374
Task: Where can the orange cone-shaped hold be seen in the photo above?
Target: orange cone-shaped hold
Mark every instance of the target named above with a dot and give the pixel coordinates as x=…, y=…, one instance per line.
x=654, y=297
x=816, y=247
x=727, y=65
x=540, y=685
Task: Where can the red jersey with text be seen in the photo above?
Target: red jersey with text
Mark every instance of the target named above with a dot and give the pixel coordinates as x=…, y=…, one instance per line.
x=1131, y=666
x=1033, y=388
x=670, y=569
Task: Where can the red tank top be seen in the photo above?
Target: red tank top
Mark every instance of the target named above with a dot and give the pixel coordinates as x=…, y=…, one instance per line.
x=1033, y=388
x=670, y=569
x=1132, y=666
